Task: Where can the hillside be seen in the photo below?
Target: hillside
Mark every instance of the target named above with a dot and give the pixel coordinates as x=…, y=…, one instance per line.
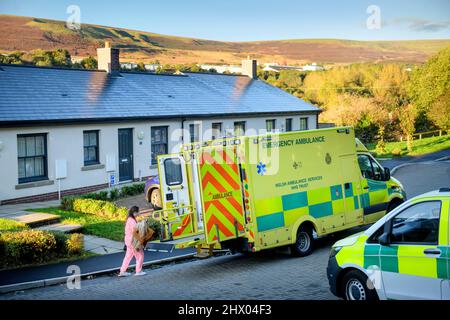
x=26, y=34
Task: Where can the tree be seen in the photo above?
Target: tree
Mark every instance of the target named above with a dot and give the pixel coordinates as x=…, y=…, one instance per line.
x=141, y=67
x=13, y=58
x=61, y=58
x=42, y=58
x=430, y=81
x=407, y=117
x=89, y=63
x=440, y=111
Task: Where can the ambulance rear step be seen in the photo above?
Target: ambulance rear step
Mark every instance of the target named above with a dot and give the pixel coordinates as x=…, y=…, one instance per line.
x=168, y=246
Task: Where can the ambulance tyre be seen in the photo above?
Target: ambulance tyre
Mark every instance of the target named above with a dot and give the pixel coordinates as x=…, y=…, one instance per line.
x=304, y=244
x=354, y=287
x=155, y=199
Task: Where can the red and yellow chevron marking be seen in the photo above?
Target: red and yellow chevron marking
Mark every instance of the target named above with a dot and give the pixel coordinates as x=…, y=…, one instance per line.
x=185, y=224
x=221, y=188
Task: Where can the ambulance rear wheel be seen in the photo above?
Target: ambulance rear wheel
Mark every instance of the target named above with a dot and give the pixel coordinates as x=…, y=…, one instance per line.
x=304, y=244
x=355, y=287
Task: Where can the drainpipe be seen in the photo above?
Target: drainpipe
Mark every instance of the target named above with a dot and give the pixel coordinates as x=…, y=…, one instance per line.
x=182, y=129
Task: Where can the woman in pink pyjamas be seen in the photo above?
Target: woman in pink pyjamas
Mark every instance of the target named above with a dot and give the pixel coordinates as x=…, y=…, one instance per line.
x=131, y=251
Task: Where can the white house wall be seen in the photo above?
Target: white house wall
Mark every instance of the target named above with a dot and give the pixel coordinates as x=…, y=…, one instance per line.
x=65, y=142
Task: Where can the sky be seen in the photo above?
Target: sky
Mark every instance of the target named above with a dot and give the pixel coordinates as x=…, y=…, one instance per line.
x=252, y=20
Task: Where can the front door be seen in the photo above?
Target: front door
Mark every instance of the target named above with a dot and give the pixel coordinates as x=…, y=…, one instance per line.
x=374, y=194
x=125, y=154
x=413, y=265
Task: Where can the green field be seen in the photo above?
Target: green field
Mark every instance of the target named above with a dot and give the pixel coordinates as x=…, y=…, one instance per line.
x=420, y=147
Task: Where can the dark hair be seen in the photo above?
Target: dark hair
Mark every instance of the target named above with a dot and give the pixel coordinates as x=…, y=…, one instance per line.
x=132, y=211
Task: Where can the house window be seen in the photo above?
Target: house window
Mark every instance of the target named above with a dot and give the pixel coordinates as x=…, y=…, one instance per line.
x=90, y=144
x=32, y=157
x=194, y=132
x=270, y=125
x=303, y=123
x=239, y=128
x=159, y=142
x=288, y=125
x=216, y=130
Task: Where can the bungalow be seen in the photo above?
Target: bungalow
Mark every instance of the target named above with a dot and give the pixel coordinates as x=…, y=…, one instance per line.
x=69, y=131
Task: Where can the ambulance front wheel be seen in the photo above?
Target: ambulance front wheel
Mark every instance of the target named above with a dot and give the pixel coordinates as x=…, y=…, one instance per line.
x=305, y=242
x=355, y=286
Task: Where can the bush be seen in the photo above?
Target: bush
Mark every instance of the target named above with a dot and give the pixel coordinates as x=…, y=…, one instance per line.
x=397, y=152
x=37, y=246
x=133, y=189
x=156, y=226
x=75, y=243
x=67, y=203
x=114, y=194
x=99, y=208
x=28, y=246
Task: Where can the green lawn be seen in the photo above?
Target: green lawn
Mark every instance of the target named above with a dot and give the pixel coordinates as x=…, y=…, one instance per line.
x=11, y=225
x=423, y=146
x=93, y=225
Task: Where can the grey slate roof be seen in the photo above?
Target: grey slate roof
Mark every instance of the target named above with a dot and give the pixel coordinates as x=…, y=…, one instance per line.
x=36, y=94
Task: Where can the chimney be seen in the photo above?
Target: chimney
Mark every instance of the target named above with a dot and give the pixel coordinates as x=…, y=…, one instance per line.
x=108, y=59
x=249, y=68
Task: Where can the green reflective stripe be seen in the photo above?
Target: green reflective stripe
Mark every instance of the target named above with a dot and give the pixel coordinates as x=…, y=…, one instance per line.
x=376, y=185
x=336, y=192
x=364, y=200
x=389, y=258
x=442, y=263
x=321, y=210
x=295, y=200
x=371, y=255
x=349, y=190
x=356, y=202
x=270, y=221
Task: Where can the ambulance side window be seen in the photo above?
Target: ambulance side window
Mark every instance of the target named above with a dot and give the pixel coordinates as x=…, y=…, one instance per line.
x=366, y=166
x=418, y=224
x=172, y=169
x=369, y=168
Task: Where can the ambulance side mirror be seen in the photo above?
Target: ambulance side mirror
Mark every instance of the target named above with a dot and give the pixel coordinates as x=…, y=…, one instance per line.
x=384, y=239
x=387, y=174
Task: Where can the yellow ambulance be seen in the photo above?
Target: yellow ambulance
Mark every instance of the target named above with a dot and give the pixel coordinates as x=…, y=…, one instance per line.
x=405, y=255
x=257, y=192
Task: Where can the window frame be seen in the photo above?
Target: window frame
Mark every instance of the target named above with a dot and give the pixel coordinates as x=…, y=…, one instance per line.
x=213, y=130
x=192, y=133
x=286, y=124
x=165, y=172
x=307, y=123
x=389, y=226
x=372, y=161
x=274, y=125
x=97, y=147
x=44, y=156
x=243, y=123
x=152, y=128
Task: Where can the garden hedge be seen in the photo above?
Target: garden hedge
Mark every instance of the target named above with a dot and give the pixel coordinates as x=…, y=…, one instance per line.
x=37, y=246
x=100, y=208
